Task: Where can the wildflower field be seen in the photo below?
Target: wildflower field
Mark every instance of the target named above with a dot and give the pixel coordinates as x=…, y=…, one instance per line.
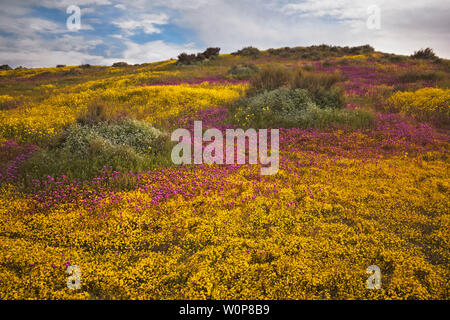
x=86, y=179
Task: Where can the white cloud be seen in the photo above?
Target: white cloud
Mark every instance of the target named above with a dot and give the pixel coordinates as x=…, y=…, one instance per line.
x=154, y=51
x=69, y=50
x=146, y=22
x=120, y=6
x=406, y=25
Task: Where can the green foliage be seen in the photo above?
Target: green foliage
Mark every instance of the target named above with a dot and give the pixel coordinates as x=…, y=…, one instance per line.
x=329, y=98
x=248, y=52
x=285, y=107
x=321, y=86
x=243, y=71
x=314, y=82
x=271, y=78
x=189, y=59
x=120, y=64
x=319, y=52
x=79, y=139
x=315, y=117
x=83, y=150
x=426, y=53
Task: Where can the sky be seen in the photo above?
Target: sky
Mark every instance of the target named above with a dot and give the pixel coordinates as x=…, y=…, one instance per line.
x=36, y=33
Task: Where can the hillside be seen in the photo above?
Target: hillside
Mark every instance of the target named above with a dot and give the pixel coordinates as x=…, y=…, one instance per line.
x=87, y=179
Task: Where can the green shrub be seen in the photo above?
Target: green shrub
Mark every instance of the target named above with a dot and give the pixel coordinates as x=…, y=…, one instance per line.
x=283, y=52
x=321, y=86
x=247, y=52
x=329, y=98
x=271, y=108
x=320, y=52
x=243, y=71
x=188, y=59
x=287, y=108
x=142, y=137
x=211, y=52
x=426, y=53
x=120, y=64
x=83, y=150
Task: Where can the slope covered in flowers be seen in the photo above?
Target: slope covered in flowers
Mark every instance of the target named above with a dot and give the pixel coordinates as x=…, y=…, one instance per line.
x=344, y=198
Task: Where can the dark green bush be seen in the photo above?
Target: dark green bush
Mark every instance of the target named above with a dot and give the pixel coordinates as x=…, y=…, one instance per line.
x=211, y=52
x=248, y=52
x=329, y=98
x=320, y=52
x=188, y=59
x=426, y=53
x=120, y=64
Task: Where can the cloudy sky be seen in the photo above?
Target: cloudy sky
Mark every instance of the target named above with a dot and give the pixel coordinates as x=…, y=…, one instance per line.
x=34, y=33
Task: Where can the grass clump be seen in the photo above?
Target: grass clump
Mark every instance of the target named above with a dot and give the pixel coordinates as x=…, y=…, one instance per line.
x=419, y=75
x=321, y=86
x=100, y=111
x=271, y=78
